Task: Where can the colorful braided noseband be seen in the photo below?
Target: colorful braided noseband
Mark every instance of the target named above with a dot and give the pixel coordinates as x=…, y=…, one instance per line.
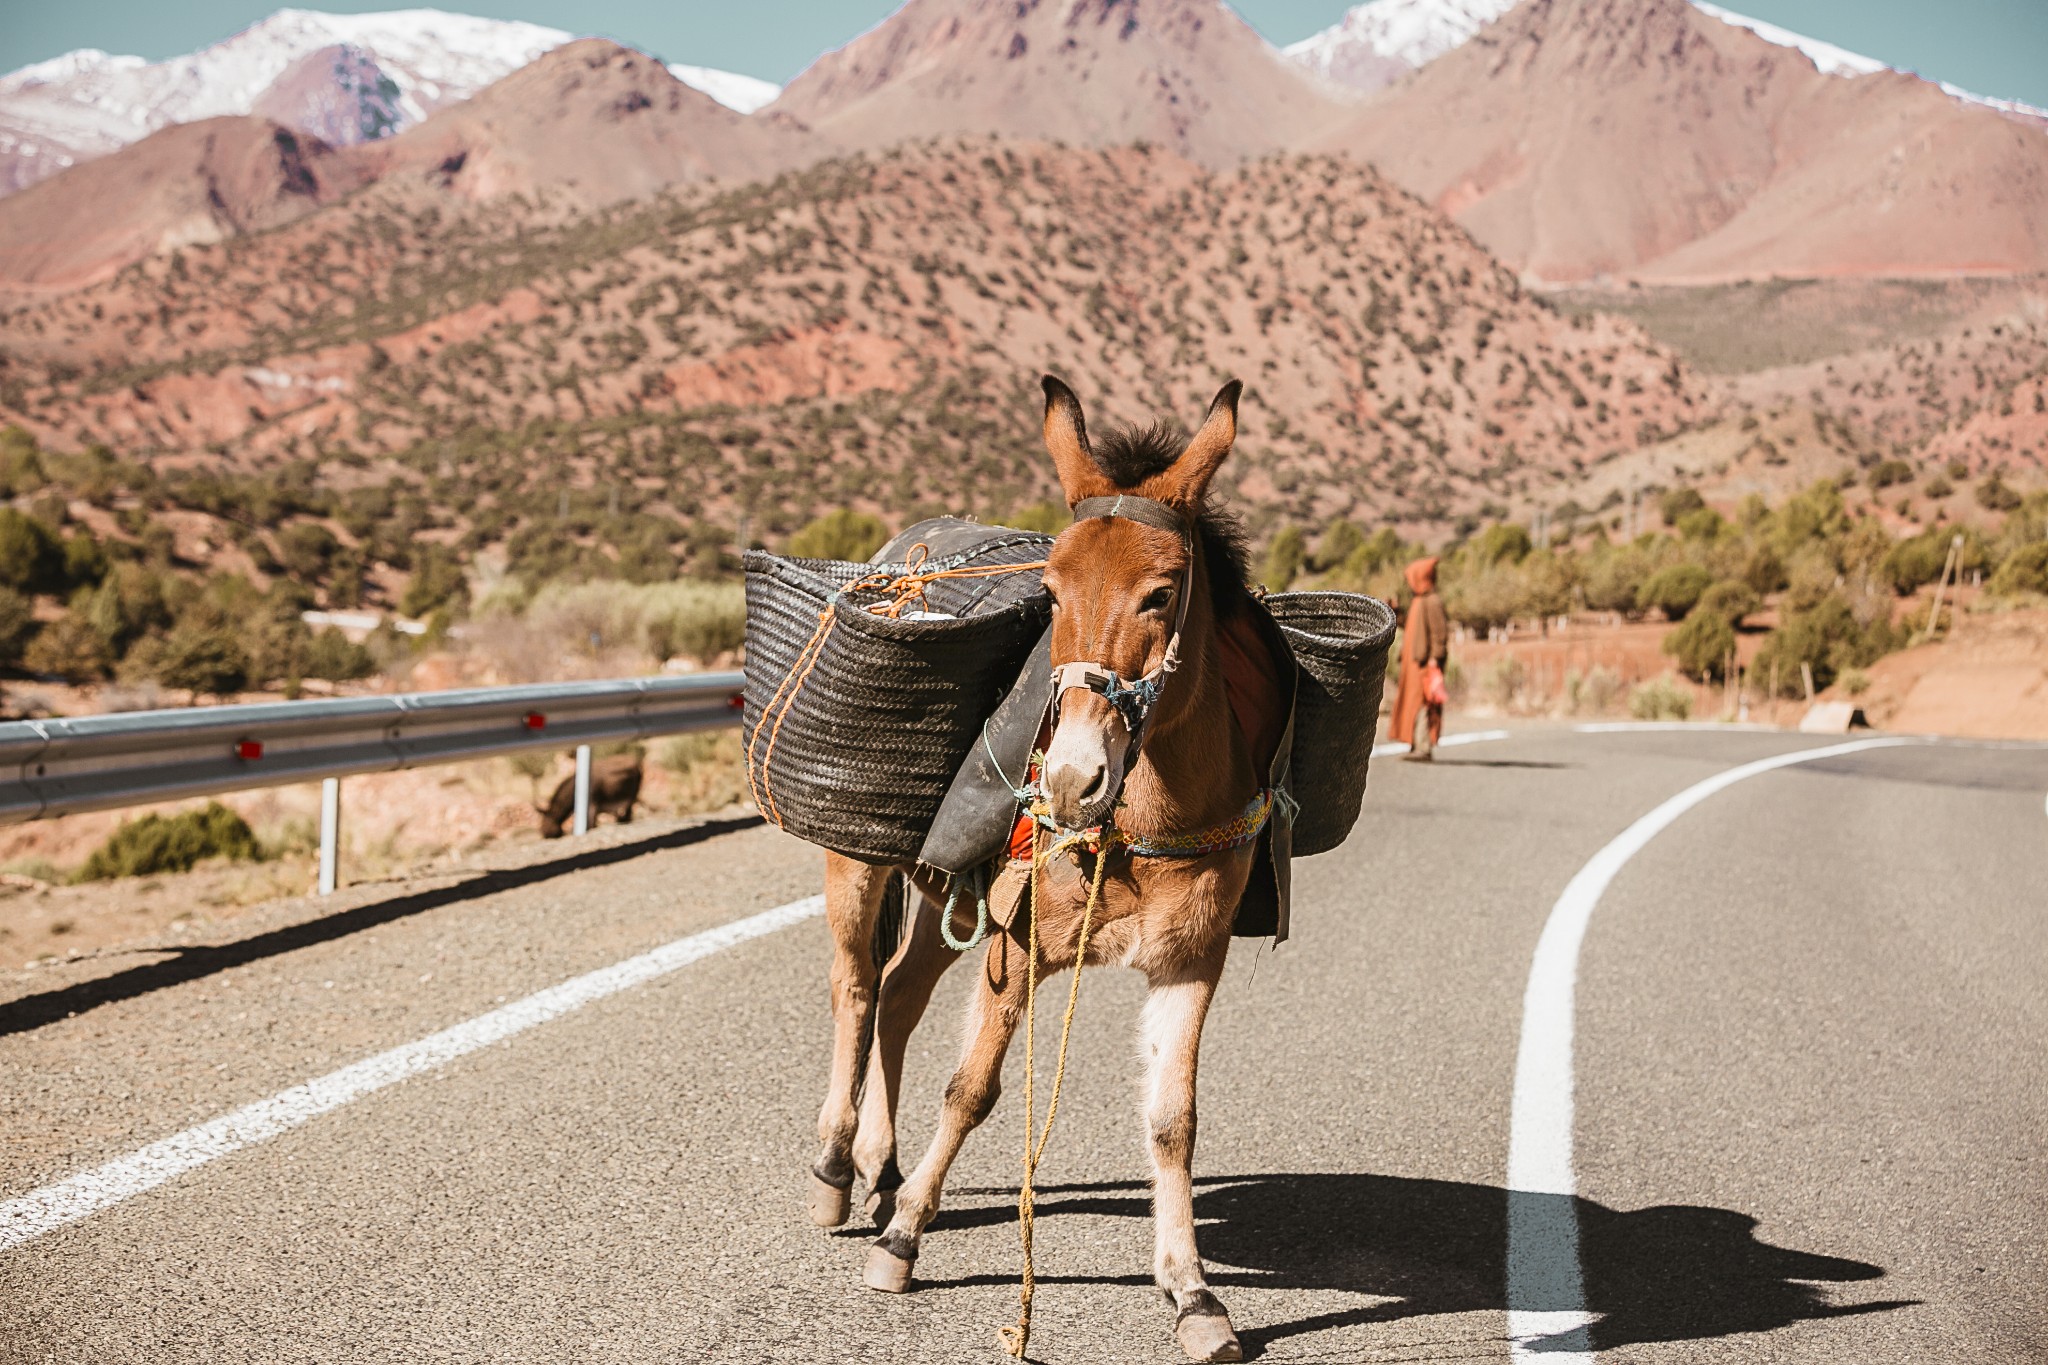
x=1194, y=844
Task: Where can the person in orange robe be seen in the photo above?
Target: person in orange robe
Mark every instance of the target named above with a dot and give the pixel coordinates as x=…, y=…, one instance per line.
x=1425, y=642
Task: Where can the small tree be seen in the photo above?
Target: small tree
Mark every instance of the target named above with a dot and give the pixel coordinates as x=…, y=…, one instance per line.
x=1701, y=645
x=1674, y=590
x=203, y=660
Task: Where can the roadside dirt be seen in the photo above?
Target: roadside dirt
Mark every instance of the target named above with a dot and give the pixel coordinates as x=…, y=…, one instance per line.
x=1988, y=679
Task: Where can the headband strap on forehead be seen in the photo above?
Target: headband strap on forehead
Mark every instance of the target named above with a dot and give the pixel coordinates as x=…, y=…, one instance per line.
x=1131, y=507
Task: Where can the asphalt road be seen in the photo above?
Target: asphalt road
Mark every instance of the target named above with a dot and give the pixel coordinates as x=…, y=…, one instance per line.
x=1811, y=1118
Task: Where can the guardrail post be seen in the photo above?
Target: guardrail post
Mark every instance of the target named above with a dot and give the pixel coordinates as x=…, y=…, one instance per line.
x=582, y=789
x=330, y=833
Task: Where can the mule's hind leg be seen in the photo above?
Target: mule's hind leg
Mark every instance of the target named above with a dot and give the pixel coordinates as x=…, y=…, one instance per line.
x=997, y=1005
x=1172, y=1029
x=853, y=898
x=906, y=991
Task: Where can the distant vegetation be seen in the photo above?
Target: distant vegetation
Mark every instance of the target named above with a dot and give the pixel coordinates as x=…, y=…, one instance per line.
x=1835, y=575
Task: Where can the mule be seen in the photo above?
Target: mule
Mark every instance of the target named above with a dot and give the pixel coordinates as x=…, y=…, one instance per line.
x=1122, y=591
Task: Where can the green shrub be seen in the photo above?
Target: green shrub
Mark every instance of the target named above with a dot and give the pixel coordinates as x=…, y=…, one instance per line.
x=1614, y=578
x=1993, y=495
x=203, y=659
x=1661, y=699
x=1703, y=524
x=1674, y=590
x=17, y=623
x=1855, y=681
x=1340, y=539
x=1887, y=473
x=1679, y=502
x=332, y=655
x=68, y=648
x=1284, y=558
x=1912, y=563
x=1731, y=599
x=1826, y=637
x=843, y=534
x=1505, y=543
x=1701, y=645
x=157, y=843
x=2025, y=570
x=437, y=582
x=30, y=558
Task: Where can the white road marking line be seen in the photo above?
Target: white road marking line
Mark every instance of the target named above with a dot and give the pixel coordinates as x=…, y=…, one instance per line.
x=1547, y=1312
x=51, y=1207
x=1395, y=746
x=1698, y=727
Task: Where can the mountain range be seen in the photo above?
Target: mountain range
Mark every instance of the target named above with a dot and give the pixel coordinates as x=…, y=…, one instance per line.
x=590, y=270
x=343, y=78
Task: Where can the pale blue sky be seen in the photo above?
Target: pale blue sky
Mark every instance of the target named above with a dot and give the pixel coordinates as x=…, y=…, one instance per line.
x=1994, y=47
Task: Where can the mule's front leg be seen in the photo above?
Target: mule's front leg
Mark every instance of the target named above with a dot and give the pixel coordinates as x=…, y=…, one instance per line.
x=997, y=1005
x=1174, y=1011
x=853, y=896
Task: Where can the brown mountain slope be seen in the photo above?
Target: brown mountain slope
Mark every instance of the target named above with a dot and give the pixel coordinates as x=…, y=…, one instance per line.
x=1579, y=138
x=590, y=122
x=585, y=125
x=189, y=184
x=868, y=331
x=1185, y=74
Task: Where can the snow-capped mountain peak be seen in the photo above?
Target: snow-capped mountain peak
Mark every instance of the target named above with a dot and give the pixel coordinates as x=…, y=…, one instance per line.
x=1376, y=43
x=381, y=73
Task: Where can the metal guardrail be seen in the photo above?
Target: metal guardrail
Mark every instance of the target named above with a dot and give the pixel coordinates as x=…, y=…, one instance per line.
x=59, y=767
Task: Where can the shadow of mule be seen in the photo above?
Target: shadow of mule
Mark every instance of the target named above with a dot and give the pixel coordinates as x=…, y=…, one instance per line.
x=1668, y=1272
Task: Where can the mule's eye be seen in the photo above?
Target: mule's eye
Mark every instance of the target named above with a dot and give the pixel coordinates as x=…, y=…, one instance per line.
x=1156, y=600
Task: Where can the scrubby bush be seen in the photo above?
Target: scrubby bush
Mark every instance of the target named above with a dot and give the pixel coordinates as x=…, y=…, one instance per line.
x=1701, y=645
x=17, y=624
x=1827, y=637
x=1993, y=495
x=1660, y=699
x=1284, y=559
x=203, y=659
x=1731, y=599
x=68, y=648
x=437, y=582
x=1677, y=503
x=1594, y=694
x=842, y=534
x=176, y=843
x=1048, y=517
x=1674, y=590
x=2025, y=570
x=30, y=558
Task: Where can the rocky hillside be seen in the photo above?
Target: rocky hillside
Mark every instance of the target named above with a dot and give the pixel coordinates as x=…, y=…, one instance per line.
x=588, y=123
x=868, y=331
x=1651, y=139
x=1188, y=75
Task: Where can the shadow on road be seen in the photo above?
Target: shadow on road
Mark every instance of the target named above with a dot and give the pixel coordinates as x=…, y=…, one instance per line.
x=201, y=960
x=1420, y=1247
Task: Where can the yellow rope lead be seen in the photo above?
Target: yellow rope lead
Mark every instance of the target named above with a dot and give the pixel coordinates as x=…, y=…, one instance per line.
x=1015, y=1339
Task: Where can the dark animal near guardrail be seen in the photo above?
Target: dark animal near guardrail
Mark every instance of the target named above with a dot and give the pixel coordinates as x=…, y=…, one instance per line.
x=614, y=787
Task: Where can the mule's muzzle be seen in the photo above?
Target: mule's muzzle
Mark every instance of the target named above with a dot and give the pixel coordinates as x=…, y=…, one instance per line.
x=1084, y=764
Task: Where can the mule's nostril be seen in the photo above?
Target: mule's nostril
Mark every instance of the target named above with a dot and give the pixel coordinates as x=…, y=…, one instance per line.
x=1095, y=788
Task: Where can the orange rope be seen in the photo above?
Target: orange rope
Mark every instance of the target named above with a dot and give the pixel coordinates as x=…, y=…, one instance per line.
x=813, y=649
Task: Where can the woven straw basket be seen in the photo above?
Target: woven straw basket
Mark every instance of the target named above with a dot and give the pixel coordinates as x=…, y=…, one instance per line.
x=861, y=741
x=1340, y=641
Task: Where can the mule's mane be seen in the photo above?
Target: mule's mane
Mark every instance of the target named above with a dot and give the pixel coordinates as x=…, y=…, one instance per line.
x=1129, y=455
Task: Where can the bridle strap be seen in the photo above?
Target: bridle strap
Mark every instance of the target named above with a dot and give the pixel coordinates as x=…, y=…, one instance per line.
x=1133, y=700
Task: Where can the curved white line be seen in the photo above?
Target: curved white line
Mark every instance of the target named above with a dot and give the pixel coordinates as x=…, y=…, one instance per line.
x=1546, y=1286
x=51, y=1207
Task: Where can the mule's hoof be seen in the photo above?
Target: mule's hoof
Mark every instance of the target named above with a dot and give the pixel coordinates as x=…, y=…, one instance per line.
x=829, y=1203
x=887, y=1271
x=1206, y=1337
x=881, y=1207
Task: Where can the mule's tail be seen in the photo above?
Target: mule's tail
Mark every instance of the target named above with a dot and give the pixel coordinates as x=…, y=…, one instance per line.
x=892, y=924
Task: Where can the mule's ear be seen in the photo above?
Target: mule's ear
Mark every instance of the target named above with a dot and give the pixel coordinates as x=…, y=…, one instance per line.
x=1066, y=436
x=1188, y=480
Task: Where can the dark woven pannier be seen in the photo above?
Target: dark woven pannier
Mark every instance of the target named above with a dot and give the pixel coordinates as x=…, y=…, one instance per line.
x=1340, y=641
x=855, y=725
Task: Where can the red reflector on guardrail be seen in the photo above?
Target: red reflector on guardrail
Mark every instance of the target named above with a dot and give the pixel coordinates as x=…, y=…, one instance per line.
x=535, y=720
x=736, y=702
x=249, y=748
